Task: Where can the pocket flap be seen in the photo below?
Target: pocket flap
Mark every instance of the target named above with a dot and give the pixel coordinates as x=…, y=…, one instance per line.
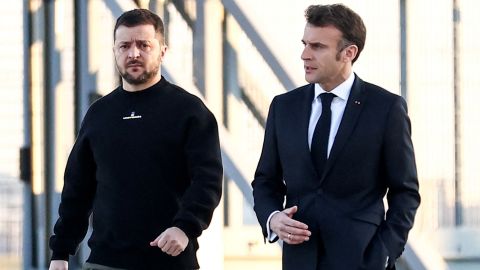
x=371, y=217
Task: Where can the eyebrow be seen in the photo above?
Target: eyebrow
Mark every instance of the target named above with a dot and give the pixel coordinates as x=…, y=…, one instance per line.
x=314, y=43
x=136, y=41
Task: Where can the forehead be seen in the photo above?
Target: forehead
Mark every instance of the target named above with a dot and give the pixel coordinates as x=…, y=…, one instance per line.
x=324, y=34
x=139, y=32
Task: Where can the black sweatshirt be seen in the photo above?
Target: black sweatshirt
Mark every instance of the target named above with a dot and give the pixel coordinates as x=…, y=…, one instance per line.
x=142, y=162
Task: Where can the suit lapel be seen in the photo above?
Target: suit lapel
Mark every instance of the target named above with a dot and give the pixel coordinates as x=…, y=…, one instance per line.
x=354, y=106
x=303, y=116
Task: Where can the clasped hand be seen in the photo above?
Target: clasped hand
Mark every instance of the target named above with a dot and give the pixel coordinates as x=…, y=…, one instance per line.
x=289, y=230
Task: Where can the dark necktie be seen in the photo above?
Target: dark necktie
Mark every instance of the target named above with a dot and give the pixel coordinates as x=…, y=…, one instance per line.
x=319, y=145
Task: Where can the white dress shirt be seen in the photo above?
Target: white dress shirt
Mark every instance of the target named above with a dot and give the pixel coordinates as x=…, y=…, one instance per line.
x=339, y=102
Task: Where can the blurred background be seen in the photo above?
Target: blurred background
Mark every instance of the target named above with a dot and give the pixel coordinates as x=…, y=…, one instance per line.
x=237, y=55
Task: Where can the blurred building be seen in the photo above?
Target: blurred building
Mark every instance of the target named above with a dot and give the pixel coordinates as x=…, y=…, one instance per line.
x=11, y=130
x=237, y=55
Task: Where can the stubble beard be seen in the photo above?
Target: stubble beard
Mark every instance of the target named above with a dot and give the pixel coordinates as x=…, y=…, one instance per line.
x=140, y=79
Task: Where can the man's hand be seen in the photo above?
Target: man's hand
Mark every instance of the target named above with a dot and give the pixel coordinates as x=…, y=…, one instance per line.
x=58, y=265
x=291, y=231
x=172, y=241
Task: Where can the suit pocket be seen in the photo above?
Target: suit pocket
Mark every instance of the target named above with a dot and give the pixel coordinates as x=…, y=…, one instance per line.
x=375, y=255
x=370, y=217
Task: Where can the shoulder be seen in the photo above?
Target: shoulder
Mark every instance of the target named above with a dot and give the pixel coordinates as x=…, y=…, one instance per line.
x=180, y=93
x=184, y=99
x=292, y=97
x=104, y=100
x=375, y=91
x=381, y=96
x=189, y=106
x=379, y=91
x=296, y=93
x=102, y=104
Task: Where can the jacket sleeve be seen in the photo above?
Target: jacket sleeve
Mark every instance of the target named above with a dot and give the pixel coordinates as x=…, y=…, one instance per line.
x=204, y=162
x=401, y=178
x=269, y=189
x=76, y=199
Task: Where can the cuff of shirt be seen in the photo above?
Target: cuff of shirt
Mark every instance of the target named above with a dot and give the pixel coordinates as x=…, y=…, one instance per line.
x=271, y=236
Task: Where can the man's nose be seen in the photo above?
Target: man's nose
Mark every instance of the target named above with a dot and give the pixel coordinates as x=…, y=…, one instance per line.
x=305, y=53
x=134, y=52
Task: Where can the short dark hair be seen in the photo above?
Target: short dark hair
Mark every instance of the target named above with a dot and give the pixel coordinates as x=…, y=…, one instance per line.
x=342, y=18
x=141, y=16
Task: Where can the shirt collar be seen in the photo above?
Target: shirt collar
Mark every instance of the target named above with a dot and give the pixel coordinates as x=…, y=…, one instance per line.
x=342, y=90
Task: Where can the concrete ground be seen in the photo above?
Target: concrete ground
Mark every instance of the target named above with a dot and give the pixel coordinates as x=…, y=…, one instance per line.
x=10, y=263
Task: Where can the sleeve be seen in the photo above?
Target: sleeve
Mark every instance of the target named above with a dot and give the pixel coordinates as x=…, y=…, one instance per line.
x=403, y=190
x=76, y=199
x=269, y=190
x=202, y=151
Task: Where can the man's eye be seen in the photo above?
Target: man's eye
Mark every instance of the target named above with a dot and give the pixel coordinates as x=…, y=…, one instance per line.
x=316, y=46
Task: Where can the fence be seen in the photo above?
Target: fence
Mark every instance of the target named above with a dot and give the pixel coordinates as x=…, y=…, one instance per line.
x=11, y=216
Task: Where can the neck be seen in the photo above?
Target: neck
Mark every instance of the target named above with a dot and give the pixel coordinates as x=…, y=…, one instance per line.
x=337, y=80
x=139, y=87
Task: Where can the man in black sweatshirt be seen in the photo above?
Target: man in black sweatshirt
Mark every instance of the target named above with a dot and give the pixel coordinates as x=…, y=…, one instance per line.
x=146, y=164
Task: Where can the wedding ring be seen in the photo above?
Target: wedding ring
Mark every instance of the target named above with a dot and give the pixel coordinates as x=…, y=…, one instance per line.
x=289, y=236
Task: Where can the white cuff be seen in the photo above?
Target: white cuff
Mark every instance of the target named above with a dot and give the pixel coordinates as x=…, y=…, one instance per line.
x=271, y=236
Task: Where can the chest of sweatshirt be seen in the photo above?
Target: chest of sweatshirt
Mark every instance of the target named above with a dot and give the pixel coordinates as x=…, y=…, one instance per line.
x=138, y=139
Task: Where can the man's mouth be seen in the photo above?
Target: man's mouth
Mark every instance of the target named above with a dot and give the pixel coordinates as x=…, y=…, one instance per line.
x=135, y=64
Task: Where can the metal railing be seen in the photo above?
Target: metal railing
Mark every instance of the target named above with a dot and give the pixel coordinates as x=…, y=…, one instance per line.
x=11, y=218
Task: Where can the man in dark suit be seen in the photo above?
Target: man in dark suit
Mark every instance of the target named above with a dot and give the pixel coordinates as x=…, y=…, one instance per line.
x=332, y=150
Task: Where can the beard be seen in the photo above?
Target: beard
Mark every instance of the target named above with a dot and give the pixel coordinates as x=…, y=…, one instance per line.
x=140, y=79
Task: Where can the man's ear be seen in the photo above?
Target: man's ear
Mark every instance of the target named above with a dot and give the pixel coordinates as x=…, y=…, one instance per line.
x=350, y=52
x=163, y=50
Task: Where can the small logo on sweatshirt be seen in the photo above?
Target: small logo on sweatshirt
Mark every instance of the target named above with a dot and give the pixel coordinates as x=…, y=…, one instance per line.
x=132, y=116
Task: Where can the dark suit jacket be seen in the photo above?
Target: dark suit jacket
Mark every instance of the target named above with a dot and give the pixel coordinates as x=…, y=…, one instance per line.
x=372, y=154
